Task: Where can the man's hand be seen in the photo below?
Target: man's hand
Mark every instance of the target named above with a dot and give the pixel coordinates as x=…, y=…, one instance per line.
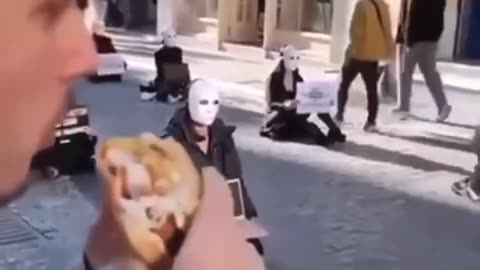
x=291, y=104
x=206, y=249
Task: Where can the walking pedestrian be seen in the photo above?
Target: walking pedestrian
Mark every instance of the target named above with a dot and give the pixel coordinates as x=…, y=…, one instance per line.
x=420, y=28
x=370, y=42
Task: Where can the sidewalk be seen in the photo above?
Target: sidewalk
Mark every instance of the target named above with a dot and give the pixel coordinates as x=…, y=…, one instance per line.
x=457, y=75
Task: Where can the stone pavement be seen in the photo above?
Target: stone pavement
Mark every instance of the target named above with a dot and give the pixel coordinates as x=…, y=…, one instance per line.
x=46, y=227
x=377, y=202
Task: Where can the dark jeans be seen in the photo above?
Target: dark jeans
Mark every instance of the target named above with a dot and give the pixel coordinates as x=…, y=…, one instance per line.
x=369, y=72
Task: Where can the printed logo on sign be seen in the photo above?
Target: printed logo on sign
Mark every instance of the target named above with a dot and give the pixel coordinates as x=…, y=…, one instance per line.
x=316, y=93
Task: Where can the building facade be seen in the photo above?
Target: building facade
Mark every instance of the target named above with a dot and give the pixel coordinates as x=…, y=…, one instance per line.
x=311, y=25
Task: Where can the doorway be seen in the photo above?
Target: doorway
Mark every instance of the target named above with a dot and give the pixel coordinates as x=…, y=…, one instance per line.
x=468, y=40
x=241, y=21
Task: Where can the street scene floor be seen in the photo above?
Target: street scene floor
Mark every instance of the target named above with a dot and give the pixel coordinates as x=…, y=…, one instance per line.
x=381, y=201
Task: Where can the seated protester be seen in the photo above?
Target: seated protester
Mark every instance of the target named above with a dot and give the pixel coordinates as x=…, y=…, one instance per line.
x=282, y=121
x=209, y=141
x=104, y=46
x=160, y=88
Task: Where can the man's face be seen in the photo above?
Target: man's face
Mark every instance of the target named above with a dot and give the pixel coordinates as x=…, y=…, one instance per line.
x=44, y=48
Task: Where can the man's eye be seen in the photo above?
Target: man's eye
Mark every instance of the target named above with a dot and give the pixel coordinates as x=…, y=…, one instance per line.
x=216, y=102
x=82, y=4
x=203, y=102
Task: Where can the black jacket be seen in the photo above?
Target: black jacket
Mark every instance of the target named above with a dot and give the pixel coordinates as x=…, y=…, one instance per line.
x=222, y=152
x=425, y=21
x=276, y=88
x=167, y=55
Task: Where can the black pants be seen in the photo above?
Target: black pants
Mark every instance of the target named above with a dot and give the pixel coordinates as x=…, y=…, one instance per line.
x=369, y=72
x=287, y=124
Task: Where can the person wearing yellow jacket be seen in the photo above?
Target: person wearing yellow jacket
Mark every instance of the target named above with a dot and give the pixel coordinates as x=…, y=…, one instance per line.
x=371, y=41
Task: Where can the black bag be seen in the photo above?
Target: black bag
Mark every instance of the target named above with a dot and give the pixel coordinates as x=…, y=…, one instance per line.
x=74, y=147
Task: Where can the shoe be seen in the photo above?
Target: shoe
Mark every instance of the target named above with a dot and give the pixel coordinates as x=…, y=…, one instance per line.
x=338, y=119
x=369, y=127
x=265, y=133
x=172, y=100
x=444, y=113
x=460, y=187
x=402, y=114
x=146, y=96
x=52, y=173
x=337, y=136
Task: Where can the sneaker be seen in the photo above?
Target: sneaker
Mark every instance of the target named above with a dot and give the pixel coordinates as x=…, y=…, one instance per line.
x=444, y=113
x=460, y=187
x=472, y=194
x=402, y=114
x=369, y=127
x=338, y=119
x=146, y=96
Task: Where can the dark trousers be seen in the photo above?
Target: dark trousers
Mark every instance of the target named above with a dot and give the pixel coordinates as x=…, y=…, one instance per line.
x=475, y=177
x=287, y=124
x=369, y=72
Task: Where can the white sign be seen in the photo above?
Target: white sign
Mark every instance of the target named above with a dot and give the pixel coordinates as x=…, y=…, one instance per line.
x=110, y=64
x=317, y=96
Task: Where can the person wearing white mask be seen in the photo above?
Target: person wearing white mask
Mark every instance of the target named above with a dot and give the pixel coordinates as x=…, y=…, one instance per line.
x=208, y=140
x=282, y=121
x=169, y=53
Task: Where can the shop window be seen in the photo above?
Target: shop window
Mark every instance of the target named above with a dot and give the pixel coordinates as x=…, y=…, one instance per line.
x=317, y=16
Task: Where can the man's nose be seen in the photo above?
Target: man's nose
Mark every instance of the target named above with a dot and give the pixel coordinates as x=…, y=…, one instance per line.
x=82, y=58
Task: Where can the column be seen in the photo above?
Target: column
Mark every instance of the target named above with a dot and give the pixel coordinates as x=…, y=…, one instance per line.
x=342, y=13
x=165, y=15
x=270, y=23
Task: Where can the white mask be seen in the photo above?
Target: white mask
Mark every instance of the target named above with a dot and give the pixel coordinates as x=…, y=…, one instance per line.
x=203, y=102
x=291, y=58
x=169, y=38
